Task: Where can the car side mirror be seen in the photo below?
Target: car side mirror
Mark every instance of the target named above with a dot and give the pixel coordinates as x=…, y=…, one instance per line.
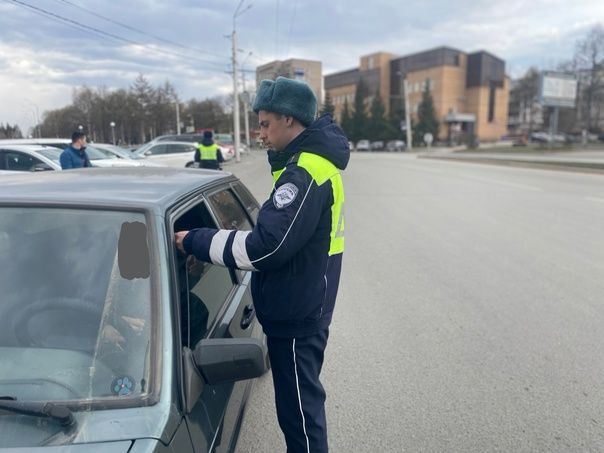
x=218, y=360
x=147, y=153
x=228, y=360
x=42, y=167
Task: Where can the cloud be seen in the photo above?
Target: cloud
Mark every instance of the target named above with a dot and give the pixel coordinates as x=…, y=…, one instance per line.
x=44, y=58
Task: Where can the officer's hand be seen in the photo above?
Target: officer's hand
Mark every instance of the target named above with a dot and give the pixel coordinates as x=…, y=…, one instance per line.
x=179, y=237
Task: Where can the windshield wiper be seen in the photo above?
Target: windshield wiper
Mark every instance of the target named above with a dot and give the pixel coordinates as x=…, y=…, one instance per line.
x=38, y=409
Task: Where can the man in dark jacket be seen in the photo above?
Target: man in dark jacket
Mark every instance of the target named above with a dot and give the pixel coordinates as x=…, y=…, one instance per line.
x=296, y=248
x=74, y=156
x=208, y=154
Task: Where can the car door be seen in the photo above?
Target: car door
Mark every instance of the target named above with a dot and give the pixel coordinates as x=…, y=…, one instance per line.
x=178, y=154
x=214, y=302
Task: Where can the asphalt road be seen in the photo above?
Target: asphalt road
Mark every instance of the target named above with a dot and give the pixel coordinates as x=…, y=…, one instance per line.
x=470, y=316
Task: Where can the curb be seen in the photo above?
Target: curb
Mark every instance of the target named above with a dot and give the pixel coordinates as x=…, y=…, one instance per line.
x=575, y=166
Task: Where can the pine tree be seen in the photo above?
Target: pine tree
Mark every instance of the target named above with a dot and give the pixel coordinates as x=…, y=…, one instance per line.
x=346, y=120
x=426, y=116
x=377, y=122
x=359, y=116
x=328, y=106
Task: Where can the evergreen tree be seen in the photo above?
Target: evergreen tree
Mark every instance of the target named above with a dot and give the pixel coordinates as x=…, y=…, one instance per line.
x=426, y=117
x=328, y=106
x=359, y=116
x=377, y=122
x=346, y=120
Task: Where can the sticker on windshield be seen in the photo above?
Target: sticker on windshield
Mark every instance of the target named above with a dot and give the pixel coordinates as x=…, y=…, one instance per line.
x=285, y=195
x=122, y=386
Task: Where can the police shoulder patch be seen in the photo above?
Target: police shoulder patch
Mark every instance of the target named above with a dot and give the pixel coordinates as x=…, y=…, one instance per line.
x=285, y=195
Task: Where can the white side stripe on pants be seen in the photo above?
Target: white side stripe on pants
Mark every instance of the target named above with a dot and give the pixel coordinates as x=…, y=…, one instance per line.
x=299, y=398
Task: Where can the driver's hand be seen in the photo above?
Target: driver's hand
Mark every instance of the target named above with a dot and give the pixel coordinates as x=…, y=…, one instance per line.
x=179, y=237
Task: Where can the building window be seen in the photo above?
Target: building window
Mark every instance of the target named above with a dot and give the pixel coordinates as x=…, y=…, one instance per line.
x=370, y=63
x=492, y=102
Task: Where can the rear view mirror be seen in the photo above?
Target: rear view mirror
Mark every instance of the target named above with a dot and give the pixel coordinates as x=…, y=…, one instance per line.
x=228, y=360
x=148, y=153
x=215, y=361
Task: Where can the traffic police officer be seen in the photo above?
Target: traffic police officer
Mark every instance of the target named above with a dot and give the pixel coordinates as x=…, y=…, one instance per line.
x=208, y=154
x=296, y=248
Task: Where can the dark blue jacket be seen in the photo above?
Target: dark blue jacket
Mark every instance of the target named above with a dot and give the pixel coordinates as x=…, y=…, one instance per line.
x=297, y=243
x=74, y=158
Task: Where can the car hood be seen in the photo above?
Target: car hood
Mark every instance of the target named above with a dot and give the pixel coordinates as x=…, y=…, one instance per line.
x=105, y=447
x=117, y=427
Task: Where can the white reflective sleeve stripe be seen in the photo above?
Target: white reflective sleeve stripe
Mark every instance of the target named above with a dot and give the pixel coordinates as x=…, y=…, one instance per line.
x=217, y=246
x=290, y=227
x=240, y=252
x=300, y=398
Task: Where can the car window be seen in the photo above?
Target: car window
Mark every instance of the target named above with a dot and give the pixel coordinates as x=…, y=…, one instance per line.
x=229, y=211
x=203, y=287
x=159, y=149
x=176, y=148
x=247, y=200
x=17, y=161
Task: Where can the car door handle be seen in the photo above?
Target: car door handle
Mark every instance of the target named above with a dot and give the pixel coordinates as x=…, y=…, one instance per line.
x=248, y=316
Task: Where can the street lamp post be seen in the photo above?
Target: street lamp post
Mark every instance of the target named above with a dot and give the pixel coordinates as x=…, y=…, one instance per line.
x=237, y=137
x=112, y=124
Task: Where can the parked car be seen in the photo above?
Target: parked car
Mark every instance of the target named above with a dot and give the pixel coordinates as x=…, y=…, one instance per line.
x=395, y=145
x=174, y=154
x=97, y=158
x=225, y=141
x=111, y=340
x=377, y=145
x=118, y=151
x=363, y=145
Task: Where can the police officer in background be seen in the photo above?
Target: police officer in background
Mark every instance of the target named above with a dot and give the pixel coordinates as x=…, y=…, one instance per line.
x=296, y=248
x=208, y=154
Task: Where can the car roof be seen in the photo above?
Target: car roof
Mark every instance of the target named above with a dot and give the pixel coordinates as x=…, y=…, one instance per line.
x=174, y=143
x=27, y=148
x=34, y=141
x=144, y=187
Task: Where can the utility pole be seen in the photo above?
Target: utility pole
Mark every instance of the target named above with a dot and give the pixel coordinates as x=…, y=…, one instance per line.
x=237, y=138
x=407, y=114
x=177, y=117
x=235, y=95
x=246, y=106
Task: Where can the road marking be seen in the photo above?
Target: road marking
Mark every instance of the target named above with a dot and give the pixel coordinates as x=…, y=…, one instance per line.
x=503, y=183
x=596, y=199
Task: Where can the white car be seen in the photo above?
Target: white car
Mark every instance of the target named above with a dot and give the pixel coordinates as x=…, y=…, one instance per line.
x=172, y=154
x=113, y=152
x=97, y=158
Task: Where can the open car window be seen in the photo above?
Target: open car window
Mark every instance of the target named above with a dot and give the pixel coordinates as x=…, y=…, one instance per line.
x=204, y=288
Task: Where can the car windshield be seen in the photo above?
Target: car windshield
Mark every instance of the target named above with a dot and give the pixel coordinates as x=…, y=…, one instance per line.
x=53, y=154
x=96, y=153
x=114, y=150
x=225, y=139
x=75, y=320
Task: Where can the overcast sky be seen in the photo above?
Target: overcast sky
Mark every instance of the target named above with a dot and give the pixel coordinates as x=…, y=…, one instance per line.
x=43, y=58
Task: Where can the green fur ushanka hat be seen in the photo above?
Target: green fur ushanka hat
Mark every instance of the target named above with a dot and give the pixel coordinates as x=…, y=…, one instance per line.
x=288, y=97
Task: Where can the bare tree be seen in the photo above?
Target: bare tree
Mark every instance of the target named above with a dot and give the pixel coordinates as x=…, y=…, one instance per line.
x=589, y=61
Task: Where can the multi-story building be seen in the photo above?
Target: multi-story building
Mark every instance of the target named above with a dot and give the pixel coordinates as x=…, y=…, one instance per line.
x=308, y=71
x=470, y=91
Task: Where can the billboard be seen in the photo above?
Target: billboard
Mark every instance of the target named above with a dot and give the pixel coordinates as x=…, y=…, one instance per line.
x=557, y=89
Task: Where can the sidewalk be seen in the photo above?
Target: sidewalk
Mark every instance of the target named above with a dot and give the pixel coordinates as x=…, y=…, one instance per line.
x=580, y=160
